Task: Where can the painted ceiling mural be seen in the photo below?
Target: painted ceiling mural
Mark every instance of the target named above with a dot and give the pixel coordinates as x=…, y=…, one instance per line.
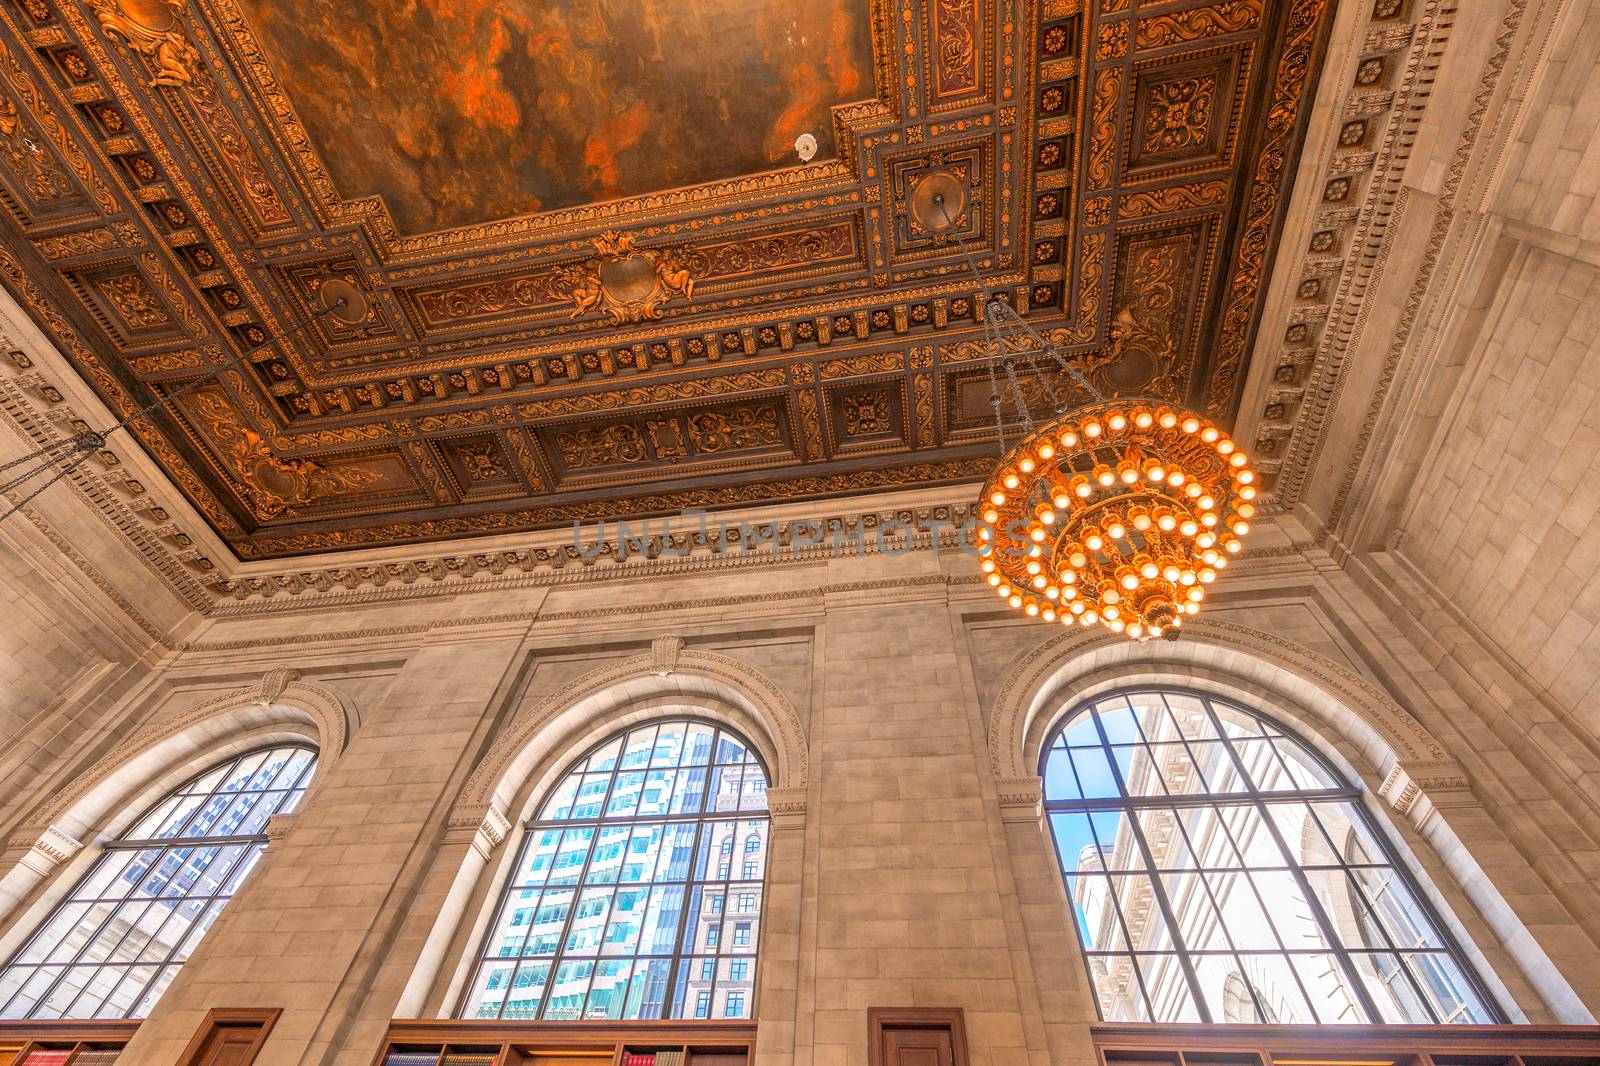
x=461, y=111
x=596, y=281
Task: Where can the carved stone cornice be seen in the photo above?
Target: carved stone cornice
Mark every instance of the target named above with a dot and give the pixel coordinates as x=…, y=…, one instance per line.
x=1357, y=202
x=482, y=827
x=280, y=825
x=45, y=850
x=787, y=807
x=1021, y=798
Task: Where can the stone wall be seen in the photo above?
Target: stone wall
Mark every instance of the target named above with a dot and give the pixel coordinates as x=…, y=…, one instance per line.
x=911, y=869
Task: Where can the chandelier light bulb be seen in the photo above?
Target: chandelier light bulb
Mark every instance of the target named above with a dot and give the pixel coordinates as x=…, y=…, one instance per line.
x=1117, y=517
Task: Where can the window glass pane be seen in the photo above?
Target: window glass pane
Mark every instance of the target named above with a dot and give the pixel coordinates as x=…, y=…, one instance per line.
x=667, y=831
x=1167, y=988
x=1189, y=714
x=1403, y=924
x=1059, y=780
x=1218, y=871
x=115, y=942
x=1217, y=767
x=1095, y=779
x=1445, y=986
x=526, y=991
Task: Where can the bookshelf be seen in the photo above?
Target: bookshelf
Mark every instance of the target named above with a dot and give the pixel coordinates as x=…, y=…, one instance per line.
x=458, y=1043
x=63, y=1043
x=1347, y=1045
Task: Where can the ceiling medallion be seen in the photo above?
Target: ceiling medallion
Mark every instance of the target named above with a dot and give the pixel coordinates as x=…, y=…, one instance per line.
x=629, y=283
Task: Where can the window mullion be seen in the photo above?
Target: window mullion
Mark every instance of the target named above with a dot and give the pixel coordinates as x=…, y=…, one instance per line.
x=1324, y=923
x=676, y=969
x=1160, y=892
x=577, y=899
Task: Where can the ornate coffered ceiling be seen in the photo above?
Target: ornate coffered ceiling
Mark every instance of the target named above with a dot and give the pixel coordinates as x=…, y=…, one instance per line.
x=180, y=177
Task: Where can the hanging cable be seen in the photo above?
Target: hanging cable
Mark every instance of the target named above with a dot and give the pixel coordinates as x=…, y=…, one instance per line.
x=998, y=317
x=67, y=454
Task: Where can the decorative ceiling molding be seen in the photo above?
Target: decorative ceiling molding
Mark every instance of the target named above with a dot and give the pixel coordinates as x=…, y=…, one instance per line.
x=714, y=346
x=1356, y=201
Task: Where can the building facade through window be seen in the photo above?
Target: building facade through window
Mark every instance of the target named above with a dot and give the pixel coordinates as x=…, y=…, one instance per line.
x=616, y=906
x=1220, y=870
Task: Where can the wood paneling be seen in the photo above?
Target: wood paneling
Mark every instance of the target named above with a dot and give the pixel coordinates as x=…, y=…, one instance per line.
x=230, y=1037
x=916, y=1036
x=1378, y=1045
x=584, y=1043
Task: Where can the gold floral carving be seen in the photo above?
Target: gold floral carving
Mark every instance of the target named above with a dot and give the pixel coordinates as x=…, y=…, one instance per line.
x=1289, y=85
x=1148, y=326
x=874, y=363
x=525, y=459
x=83, y=242
x=1103, y=138
x=273, y=484
x=810, y=424
x=139, y=307
x=29, y=101
x=665, y=392
x=924, y=410
x=1178, y=113
x=482, y=462
x=1091, y=275
x=735, y=429
x=955, y=47
x=1174, y=198
x=236, y=150
x=152, y=29
x=1197, y=24
x=28, y=159
x=590, y=446
x=866, y=413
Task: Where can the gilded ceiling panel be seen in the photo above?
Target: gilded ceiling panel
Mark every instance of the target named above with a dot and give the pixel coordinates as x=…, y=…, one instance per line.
x=597, y=282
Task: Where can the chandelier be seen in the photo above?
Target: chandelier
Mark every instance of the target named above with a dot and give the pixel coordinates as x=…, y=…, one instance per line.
x=1117, y=513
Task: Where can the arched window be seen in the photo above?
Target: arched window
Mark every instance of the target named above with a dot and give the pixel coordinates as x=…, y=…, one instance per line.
x=114, y=944
x=616, y=907
x=1221, y=870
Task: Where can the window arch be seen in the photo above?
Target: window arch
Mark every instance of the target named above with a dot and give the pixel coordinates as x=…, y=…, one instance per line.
x=111, y=947
x=618, y=905
x=1219, y=869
